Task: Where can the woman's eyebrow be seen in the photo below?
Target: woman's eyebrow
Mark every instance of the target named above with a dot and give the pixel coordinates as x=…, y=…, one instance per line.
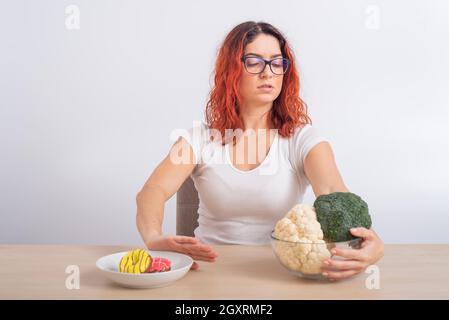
x=258, y=55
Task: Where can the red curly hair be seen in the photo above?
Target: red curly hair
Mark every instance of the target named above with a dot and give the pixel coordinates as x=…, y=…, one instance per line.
x=222, y=110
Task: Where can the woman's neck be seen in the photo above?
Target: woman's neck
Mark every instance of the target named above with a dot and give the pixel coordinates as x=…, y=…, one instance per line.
x=256, y=117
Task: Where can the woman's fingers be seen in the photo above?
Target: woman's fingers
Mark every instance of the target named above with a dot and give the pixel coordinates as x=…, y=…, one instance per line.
x=195, y=250
x=200, y=249
x=351, y=254
x=203, y=258
x=338, y=275
x=206, y=254
x=363, y=233
x=194, y=244
x=207, y=249
x=194, y=266
x=187, y=245
x=330, y=264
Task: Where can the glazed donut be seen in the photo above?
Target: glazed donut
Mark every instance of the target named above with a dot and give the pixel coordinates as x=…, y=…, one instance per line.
x=159, y=265
x=135, y=261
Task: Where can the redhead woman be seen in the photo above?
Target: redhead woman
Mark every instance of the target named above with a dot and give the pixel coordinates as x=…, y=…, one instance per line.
x=249, y=179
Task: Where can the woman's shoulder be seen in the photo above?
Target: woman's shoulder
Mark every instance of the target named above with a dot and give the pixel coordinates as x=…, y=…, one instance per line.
x=300, y=130
x=304, y=138
x=197, y=132
x=298, y=133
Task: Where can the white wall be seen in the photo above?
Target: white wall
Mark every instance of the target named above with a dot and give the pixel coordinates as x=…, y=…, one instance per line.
x=85, y=115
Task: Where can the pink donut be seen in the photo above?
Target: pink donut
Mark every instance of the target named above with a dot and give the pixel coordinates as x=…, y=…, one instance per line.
x=159, y=265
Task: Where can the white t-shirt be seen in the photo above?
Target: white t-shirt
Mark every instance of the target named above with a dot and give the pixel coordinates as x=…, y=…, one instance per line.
x=242, y=207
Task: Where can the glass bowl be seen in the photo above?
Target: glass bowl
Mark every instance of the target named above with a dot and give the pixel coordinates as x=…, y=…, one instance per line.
x=304, y=259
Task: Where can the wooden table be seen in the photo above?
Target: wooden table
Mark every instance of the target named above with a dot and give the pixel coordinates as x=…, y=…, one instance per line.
x=240, y=272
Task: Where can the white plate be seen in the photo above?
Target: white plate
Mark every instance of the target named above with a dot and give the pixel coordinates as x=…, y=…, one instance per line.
x=180, y=265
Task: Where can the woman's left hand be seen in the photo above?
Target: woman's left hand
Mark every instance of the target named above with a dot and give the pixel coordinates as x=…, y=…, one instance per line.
x=357, y=260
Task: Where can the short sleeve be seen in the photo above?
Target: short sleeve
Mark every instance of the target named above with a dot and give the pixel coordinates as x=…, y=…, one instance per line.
x=303, y=140
x=194, y=136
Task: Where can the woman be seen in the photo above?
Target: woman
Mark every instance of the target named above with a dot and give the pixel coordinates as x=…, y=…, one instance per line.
x=256, y=92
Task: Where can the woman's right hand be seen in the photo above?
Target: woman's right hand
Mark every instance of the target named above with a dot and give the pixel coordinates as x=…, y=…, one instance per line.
x=183, y=244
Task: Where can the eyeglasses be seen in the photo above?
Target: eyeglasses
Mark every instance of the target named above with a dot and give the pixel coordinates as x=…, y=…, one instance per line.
x=256, y=65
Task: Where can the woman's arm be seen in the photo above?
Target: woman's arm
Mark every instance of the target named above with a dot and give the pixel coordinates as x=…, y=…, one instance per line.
x=323, y=175
x=163, y=183
x=321, y=170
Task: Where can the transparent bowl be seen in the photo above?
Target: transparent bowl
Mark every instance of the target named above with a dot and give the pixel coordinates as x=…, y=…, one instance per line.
x=304, y=259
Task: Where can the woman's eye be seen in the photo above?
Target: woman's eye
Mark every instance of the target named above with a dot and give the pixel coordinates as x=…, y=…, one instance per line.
x=278, y=64
x=253, y=60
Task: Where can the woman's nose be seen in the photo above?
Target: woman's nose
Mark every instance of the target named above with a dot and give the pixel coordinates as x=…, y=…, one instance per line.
x=266, y=72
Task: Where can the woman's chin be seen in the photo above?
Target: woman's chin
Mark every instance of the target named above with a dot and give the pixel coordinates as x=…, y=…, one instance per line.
x=265, y=98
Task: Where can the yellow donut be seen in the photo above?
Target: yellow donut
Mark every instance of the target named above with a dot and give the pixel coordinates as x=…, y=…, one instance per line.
x=135, y=261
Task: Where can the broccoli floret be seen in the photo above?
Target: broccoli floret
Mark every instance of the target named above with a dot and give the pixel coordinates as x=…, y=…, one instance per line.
x=338, y=212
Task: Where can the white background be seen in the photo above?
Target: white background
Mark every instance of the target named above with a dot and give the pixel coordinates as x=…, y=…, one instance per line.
x=85, y=115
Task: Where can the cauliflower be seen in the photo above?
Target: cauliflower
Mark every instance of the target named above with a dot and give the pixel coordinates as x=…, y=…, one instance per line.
x=305, y=249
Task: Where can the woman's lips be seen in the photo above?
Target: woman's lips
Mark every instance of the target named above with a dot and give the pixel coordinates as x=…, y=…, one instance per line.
x=265, y=89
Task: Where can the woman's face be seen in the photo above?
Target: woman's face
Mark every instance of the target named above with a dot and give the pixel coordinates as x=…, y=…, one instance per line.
x=267, y=47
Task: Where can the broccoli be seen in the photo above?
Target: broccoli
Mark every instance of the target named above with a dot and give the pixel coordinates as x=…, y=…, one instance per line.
x=338, y=212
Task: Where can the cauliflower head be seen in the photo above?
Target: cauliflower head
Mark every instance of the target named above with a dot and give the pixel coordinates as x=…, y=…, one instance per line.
x=304, y=249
